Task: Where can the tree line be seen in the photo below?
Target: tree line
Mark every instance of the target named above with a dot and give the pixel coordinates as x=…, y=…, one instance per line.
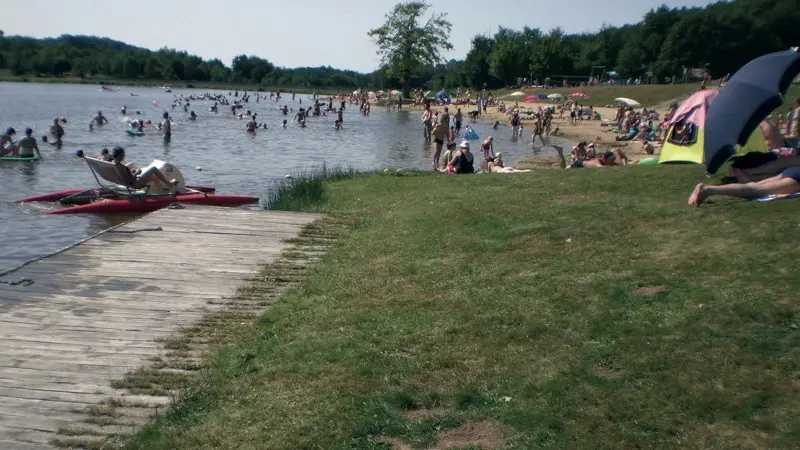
x=721, y=37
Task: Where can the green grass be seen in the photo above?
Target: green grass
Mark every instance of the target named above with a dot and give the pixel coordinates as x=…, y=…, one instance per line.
x=648, y=95
x=304, y=190
x=561, y=309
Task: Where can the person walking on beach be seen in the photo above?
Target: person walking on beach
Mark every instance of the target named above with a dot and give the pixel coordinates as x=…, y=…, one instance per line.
x=427, y=124
x=458, y=118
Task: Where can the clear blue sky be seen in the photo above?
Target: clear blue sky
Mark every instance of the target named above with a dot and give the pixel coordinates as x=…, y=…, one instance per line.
x=295, y=33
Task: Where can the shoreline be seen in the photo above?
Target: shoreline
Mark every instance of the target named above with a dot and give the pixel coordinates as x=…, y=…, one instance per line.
x=172, y=84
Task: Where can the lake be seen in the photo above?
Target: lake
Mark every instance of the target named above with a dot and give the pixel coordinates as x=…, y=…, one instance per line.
x=230, y=159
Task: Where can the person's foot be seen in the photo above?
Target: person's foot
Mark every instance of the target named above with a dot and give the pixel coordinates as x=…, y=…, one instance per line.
x=698, y=195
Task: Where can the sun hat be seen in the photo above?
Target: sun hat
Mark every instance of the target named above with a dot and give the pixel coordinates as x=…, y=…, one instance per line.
x=464, y=144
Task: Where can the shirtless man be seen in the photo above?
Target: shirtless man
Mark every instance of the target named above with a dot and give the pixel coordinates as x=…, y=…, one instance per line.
x=427, y=124
x=99, y=119
x=439, y=135
x=57, y=131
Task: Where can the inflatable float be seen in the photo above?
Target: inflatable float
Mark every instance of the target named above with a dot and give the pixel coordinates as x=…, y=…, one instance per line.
x=18, y=158
x=470, y=134
x=134, y=133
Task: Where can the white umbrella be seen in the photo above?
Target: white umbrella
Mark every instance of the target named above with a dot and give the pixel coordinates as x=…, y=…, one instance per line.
x=628, y=102
x=516, y=94
x=395, y=92
x=371, y=94
x=555, y=97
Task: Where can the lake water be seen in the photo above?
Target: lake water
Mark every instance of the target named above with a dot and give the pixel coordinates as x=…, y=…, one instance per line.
x=233, y=161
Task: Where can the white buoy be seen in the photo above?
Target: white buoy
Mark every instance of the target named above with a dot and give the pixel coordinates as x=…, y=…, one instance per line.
x=199, y=169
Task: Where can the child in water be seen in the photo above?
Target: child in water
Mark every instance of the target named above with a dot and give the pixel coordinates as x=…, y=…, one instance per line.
x=284, y=123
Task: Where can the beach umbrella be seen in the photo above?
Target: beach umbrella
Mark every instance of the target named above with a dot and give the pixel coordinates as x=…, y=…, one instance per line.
x=372, y=94
x=555, y=97
x=628, y=102
x=516, y=94
x=744, y=102
x=395, y=92
x=531, y=99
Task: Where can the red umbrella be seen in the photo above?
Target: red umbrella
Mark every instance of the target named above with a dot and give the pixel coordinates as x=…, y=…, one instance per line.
x=531, y=99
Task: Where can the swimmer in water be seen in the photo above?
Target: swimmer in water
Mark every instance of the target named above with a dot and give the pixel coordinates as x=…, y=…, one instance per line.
x=99, y=120
x=124, y=110
x=27, y=145
x=192, y=116
x=284, y=123
x=252, y=125
x=337, y=125
x=57, y=131
x=7, y=144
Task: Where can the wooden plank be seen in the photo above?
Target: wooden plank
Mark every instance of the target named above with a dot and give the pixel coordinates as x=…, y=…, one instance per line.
x=94, y=311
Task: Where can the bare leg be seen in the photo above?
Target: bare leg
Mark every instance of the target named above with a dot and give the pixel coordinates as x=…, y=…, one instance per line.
x=436, y=153
x=144, y=178
x=767, y=170
x=775, y=185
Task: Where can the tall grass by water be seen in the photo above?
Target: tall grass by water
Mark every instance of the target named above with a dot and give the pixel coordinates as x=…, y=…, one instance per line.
x=304, y=189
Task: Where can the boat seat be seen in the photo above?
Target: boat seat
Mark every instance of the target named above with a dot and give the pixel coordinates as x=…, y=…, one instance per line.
x=105, y=170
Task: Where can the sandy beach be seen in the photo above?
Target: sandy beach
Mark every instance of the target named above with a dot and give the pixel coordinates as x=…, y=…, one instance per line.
x=585, y=130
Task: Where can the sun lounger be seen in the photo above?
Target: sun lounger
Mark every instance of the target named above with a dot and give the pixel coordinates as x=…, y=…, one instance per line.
x=106, y=171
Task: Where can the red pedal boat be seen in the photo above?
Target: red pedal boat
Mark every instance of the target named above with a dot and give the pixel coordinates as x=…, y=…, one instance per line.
x=115, y=198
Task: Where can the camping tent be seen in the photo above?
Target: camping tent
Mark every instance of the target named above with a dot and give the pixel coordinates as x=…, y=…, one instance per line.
x=443, y=96
x=684, y=140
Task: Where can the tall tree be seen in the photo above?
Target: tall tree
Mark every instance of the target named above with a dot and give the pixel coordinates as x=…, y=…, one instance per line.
x=477, y=63
x=406, y=42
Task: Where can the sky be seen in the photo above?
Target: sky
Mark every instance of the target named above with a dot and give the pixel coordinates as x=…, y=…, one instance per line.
x=301, y=32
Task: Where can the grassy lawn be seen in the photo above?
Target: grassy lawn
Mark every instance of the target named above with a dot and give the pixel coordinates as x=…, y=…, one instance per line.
x=647, y=95
x=557, y=309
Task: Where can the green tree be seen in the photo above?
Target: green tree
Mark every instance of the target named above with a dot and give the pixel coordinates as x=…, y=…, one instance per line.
x=405, y=44
x=509, y=57
x=477, y=64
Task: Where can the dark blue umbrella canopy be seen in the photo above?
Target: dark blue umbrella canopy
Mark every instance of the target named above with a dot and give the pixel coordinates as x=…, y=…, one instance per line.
x=744, y=102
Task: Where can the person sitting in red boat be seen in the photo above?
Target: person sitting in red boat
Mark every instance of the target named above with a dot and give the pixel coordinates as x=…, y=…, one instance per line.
x=138, y=179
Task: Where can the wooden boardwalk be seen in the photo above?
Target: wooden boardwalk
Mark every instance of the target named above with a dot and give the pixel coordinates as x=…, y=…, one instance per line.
x=104, y=307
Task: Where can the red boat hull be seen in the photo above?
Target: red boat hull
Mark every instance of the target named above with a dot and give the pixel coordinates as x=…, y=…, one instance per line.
x=60, y=195
x=149, y=204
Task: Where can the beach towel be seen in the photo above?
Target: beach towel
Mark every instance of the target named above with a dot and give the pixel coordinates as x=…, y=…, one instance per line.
x=769, y=198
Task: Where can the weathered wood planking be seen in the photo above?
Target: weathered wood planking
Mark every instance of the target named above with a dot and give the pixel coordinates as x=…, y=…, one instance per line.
x=96, y=311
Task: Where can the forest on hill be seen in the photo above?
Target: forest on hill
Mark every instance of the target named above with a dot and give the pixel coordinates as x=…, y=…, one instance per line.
x=721, y=37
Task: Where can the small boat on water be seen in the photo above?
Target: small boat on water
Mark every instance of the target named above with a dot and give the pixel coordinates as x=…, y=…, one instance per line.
x=113, y=197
